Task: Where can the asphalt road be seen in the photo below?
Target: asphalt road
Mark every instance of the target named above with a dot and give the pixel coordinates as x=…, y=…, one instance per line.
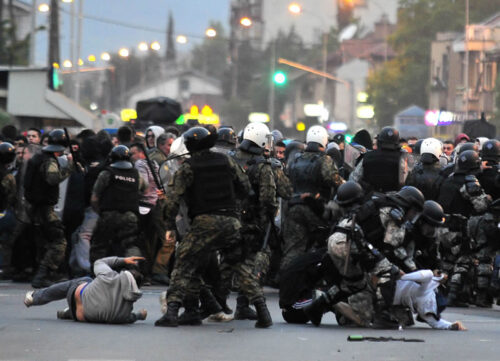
x=36, y=334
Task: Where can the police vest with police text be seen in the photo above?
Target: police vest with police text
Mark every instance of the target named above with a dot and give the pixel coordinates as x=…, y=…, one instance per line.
x=122, y=194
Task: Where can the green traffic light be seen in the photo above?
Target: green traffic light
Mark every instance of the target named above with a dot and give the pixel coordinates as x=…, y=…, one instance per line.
x=348, y=138
x=279, y=78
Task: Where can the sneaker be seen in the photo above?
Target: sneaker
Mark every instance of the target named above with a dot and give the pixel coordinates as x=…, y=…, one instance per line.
x=220, y=317
x=28, y=299
x=64, y=314
x=163, y=302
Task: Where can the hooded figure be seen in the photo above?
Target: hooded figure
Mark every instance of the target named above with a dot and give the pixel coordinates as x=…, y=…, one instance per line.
x=363, y=138
x=152, y=134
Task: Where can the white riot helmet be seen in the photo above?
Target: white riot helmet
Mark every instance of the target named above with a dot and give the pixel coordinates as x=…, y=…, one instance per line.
x=257, y=133
x=431, y=146
x=178, y=148
x=481, y=141
x=317, y=134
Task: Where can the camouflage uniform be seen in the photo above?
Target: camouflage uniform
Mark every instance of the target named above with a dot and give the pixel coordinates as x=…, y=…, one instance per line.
x=208, y=233
x=455, y=243
x=258, y=210
x=284, y=191
x=44, y=216
x=485, y=234
x=157, y=156
x=304, y=217
x=7, y=204
x=116, y=232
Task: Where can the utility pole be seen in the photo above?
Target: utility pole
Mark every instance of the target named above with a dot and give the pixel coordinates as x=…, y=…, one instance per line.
x=78, y=51
x=271, y=90
x=32, y=34
x=466, y=59
x=54, y=56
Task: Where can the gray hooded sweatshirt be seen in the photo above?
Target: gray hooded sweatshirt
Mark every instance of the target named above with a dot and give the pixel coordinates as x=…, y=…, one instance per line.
x=110, y=297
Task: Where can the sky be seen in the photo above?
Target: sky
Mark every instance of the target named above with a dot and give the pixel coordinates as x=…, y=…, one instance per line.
x=191, y=17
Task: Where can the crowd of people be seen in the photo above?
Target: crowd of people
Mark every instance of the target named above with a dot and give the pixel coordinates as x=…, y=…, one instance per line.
x=374, y=230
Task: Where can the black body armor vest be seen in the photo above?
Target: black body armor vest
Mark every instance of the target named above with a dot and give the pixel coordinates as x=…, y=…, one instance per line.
x=381, y=170
x=305, y=173
x=212, y=190
x=122, y=193
x=36, y=189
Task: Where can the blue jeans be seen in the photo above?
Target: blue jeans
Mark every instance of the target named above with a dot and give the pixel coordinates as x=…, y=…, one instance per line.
x=57, y=291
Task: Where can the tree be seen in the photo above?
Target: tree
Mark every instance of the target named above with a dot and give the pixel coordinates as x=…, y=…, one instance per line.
x=210, y=57
x=170, y=54
x=418, y=23
x=12, y=50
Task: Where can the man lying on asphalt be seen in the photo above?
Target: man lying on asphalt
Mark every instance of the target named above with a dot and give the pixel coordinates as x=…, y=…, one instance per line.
x=109, y=298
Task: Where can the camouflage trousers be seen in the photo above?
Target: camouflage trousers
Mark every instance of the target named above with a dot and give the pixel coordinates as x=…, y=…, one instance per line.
x=51, y=243
x=210, y=233
x=461, y=281
x=116, y=234
x=300, y=231
x=483, y=265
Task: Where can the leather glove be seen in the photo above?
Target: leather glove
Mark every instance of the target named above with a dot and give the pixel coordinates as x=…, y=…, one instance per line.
x=472, y=186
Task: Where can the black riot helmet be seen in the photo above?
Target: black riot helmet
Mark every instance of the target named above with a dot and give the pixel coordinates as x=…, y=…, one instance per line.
x=467, y=162
x=410, y=196
x=417, y=146
x=226, y=136
x=491, y=150
x=348, y=193
x=468, y=146
x=198, y=138
x=388, y=138
x=7, y=153
x=433, y=213
x=120, y=157
x=57, y=141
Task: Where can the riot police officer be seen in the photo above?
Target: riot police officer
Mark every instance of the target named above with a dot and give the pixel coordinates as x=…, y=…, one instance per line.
x=490, y=176
x=115, y=197
x=461, y=192
x=7, y=203
x=226, y=140
x=384, y=169
x=485, y=233
x=260, y=206
x=314, y=177
x=41, y=190
x=211, y=183
x=426, y=173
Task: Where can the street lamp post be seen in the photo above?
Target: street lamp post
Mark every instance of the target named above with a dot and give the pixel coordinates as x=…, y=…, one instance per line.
x=466, y=59
x=296, y=9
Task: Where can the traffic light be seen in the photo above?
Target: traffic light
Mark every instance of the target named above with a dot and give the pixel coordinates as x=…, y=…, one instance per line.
x=55, y=81
x=348, y=138
x=279, y=78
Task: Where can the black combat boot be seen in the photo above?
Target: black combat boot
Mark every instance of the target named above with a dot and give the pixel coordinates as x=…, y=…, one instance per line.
x=42, y=278
x=264, y=319
x=319, y=305
x=243, y=310
x=170, y=319
x=191, y=314
x=209, y=304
